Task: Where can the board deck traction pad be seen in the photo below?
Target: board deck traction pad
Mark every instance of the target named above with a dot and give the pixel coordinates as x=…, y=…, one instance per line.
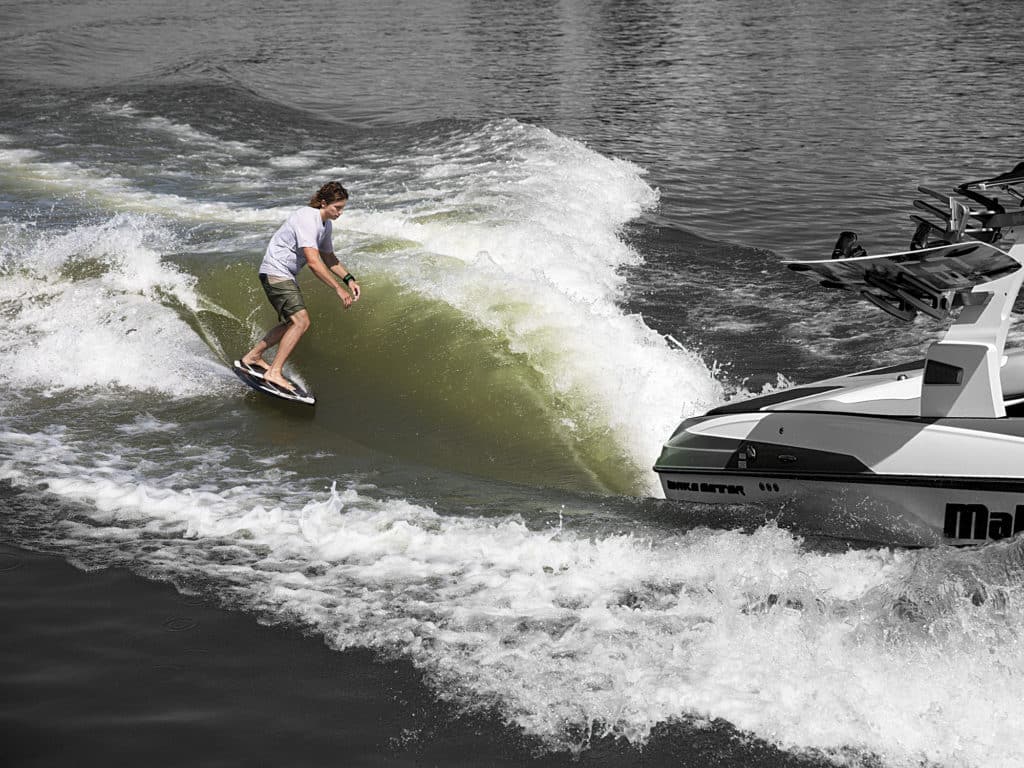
x=253, y=376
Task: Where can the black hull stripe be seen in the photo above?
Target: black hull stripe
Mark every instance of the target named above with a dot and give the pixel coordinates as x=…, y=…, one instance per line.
x=1012, y=424
x=994, y=484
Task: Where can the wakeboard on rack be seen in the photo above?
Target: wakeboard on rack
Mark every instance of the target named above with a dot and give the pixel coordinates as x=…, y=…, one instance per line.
x=928, y=280
x=253, y=376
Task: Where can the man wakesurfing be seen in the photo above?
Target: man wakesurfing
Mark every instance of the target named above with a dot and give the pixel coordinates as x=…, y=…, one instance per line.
x=304, y=238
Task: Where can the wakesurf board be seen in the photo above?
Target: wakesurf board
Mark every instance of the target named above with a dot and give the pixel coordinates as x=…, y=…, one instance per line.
x=253, y=376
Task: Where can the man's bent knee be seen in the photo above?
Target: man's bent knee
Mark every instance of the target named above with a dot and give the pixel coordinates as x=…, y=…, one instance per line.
x=300, y=320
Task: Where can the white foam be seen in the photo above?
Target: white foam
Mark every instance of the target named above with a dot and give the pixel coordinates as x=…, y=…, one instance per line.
x=875, y=652
x=182, y=132
x=147, y=424
x=298, y=160
x=106, y=330
x=18, y=156
x=116, y=193
x=116, y=109
x=185, y=133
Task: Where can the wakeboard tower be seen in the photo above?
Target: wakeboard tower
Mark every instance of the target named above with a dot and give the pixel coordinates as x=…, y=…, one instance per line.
x=921, y=453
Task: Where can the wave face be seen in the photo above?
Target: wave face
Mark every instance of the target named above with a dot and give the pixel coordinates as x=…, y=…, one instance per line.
x=506, y=258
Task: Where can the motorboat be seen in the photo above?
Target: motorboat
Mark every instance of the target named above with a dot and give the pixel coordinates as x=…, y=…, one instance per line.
x=925, y=452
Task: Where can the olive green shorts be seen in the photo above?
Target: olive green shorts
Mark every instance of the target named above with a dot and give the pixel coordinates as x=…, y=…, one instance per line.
x=284, y=295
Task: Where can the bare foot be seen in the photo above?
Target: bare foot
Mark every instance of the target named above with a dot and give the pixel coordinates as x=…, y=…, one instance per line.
x=256, y=363
x=278, y=381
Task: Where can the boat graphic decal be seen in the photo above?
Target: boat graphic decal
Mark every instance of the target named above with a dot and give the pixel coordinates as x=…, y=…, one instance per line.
x=974, y=521
x=714, y=488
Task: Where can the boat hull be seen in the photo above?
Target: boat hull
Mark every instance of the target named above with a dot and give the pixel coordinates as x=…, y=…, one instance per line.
x=904, y=511
x=894, y=480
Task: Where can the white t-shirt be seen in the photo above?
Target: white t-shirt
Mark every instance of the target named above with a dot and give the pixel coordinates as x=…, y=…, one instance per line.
x=303, y=229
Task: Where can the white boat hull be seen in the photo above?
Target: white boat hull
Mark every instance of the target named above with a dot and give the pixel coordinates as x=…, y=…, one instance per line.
x=901, y=511
x=894, y=479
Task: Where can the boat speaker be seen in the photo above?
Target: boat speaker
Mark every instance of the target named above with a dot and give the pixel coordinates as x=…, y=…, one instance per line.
x=923, y=237
x=848, y=247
